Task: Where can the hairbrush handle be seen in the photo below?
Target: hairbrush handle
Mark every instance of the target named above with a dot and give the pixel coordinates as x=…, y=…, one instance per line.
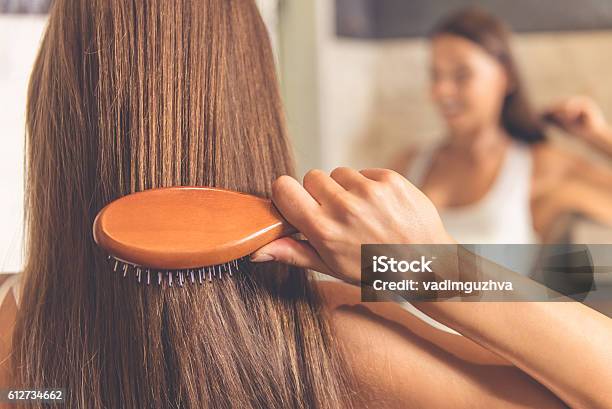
x=187, y=227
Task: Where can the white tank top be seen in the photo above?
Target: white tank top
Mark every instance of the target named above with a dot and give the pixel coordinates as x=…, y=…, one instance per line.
x=503, y=215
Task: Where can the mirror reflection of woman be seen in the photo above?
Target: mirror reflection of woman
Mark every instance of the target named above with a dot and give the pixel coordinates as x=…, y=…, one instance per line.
x=495, y=177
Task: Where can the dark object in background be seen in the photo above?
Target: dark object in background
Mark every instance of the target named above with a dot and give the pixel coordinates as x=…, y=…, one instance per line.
x=568, y=269
x=24, y=6
x=379, y=19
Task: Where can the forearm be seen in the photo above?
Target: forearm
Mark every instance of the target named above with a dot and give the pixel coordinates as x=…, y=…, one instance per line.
x=563, y=345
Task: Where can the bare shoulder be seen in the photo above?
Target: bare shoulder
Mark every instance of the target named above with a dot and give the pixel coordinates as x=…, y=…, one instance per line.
x=396, y=359
x=8, y=314
x=8, y=308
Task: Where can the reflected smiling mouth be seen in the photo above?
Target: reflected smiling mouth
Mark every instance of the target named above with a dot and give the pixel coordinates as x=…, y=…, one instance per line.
x=451, y=108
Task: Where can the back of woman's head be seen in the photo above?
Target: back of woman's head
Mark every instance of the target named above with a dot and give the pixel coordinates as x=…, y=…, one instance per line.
x=131, y=95
x=493, y=36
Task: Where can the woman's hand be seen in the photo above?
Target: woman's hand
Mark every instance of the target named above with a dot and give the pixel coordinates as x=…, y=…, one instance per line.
x=338, y=213
x=582, y=117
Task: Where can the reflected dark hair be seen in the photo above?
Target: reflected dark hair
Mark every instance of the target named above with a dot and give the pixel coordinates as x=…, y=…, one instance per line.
x=493, y=35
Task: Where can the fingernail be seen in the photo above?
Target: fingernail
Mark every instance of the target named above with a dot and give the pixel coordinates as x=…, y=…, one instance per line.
x=260, y=258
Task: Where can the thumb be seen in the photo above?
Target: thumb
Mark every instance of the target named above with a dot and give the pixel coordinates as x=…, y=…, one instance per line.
x=287, y=250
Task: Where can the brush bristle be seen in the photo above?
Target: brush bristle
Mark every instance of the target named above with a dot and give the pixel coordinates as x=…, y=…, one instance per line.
x=178, y=278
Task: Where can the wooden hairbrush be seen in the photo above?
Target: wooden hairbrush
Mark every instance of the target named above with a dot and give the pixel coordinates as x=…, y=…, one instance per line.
x=186, y=234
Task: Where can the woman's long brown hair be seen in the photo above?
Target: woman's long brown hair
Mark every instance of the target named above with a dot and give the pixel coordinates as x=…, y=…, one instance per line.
x=492, y=34
x=131, y=95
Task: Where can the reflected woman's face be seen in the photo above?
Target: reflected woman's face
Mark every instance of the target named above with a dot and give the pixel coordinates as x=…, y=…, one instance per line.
x=468, y=85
